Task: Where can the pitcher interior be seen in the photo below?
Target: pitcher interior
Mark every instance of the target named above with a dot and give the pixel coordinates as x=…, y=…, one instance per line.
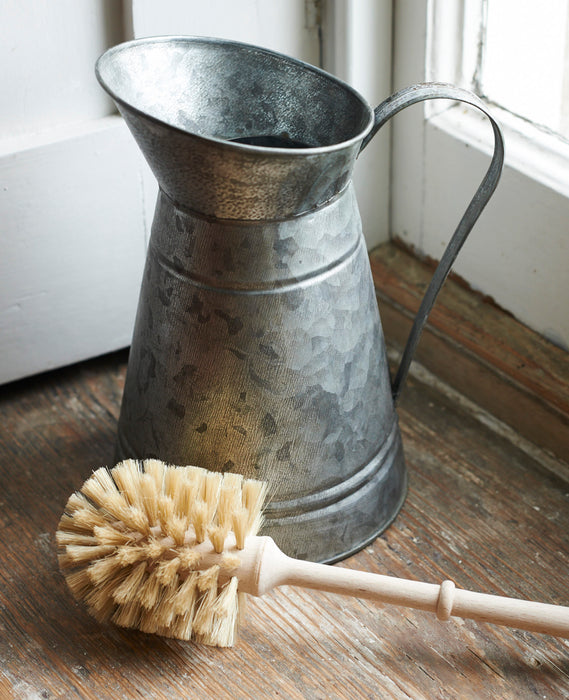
x=231, y=91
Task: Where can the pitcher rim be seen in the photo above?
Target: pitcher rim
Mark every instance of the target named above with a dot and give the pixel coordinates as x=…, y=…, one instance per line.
x=243, y=147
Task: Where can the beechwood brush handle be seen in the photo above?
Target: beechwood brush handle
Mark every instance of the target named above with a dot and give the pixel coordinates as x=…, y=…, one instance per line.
x=276, y=569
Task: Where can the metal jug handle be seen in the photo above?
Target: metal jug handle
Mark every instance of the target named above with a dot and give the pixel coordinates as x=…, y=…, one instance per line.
x=387, y=109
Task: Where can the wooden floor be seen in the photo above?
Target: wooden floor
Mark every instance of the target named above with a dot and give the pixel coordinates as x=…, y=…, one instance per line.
x=486, y=507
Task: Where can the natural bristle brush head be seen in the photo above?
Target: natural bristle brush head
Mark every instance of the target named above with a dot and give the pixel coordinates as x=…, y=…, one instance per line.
x=136, y=544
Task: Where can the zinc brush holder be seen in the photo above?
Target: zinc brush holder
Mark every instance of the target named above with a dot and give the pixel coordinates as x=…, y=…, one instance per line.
x=258, y=347
x=171, y=550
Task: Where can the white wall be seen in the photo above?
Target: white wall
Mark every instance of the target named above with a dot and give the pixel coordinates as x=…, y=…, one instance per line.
x=72, y=229
x=76, y=198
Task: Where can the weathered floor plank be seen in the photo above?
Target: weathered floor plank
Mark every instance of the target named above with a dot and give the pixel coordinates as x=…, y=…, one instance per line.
x=479, y=349
x=479, y=511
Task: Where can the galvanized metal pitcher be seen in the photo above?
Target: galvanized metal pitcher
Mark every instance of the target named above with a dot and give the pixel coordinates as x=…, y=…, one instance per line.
x=258, y=346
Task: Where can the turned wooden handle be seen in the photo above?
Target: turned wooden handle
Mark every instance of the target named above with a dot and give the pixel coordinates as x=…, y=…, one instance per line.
x=445, y=600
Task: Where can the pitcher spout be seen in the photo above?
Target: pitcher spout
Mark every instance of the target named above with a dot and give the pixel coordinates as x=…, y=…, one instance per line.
x=235, y=132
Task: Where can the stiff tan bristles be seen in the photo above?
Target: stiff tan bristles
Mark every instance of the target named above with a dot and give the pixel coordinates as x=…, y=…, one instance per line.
x=150, y=591
x=129, y=548
x=64, y=538
x=127, y=591
x=217, y=536
x=111, y=535
x=127, y=477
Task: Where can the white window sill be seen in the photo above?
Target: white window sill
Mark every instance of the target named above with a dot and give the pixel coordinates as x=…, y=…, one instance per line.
x=531, y=151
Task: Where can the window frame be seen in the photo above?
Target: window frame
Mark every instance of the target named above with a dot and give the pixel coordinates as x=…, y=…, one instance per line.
x=518, y=251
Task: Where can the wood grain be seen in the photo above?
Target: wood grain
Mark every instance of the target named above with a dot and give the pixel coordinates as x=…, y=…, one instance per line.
x=479, y=349
x=479, y=511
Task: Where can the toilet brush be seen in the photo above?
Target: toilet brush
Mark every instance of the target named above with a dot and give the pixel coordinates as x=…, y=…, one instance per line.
x=173, y=551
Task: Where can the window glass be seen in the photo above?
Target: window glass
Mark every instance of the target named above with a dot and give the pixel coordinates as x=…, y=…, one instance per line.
x=524, y=61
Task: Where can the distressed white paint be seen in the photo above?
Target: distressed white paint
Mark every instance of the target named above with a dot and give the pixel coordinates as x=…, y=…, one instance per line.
x=518, y=252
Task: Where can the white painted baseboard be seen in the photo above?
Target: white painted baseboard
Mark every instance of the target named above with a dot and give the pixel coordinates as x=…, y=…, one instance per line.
x=72, y=246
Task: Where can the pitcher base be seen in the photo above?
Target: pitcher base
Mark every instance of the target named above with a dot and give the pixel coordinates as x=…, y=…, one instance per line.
x=339, y=529
x=335, y=523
